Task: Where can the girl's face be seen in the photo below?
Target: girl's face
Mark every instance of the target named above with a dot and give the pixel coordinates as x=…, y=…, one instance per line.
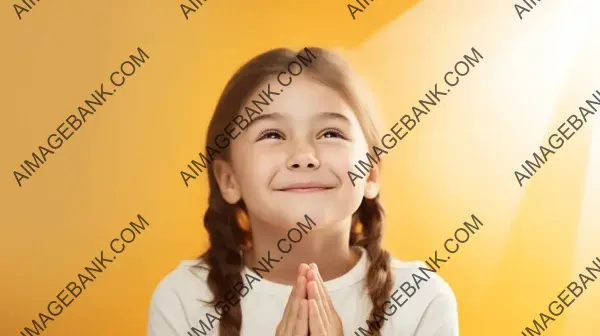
x=293, y=159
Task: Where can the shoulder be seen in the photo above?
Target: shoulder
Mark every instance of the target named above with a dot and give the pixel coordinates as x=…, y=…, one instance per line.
x=176, y=303
x=189, y=277
x=420, y=291
x=420, y=276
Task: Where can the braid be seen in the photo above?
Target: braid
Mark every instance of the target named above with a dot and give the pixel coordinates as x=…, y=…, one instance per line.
x=369, y=236
x=224, y=259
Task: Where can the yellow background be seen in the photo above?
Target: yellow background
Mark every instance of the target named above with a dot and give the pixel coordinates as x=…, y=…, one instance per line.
x=459, y=160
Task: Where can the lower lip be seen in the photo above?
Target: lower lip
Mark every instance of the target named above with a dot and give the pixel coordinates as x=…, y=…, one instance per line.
x=306, y=190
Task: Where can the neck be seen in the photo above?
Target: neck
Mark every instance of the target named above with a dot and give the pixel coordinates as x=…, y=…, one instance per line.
x=280, y=253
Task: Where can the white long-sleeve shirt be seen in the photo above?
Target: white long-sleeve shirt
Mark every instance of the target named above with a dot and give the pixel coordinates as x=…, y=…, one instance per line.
x=421, y=303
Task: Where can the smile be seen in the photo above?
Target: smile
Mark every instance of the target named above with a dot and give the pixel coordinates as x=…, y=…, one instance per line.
x=306, y=190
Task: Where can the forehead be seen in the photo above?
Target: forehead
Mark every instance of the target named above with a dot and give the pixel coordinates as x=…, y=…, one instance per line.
x=303, y=98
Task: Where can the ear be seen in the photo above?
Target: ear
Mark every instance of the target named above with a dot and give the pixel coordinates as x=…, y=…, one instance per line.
x=226, y=180
x=372, y=183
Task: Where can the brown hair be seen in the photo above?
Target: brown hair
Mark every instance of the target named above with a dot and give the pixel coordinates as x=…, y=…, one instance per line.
x=226, y=230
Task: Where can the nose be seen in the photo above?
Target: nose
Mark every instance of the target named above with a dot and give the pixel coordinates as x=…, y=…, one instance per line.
x=303, y=159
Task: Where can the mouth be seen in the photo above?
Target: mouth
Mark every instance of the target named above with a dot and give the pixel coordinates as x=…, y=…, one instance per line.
x=305, y=188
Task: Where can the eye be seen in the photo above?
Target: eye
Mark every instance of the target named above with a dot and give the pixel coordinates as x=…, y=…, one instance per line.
x=333, y=131
x=269, y=134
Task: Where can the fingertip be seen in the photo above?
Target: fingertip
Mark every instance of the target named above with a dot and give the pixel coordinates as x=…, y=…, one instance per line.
x=316, y=271
x=303, y=268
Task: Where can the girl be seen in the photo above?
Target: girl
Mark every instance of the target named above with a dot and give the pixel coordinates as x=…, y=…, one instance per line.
x=295, y=244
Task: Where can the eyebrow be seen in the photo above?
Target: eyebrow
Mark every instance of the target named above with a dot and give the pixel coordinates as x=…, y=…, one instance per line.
x=279, y=116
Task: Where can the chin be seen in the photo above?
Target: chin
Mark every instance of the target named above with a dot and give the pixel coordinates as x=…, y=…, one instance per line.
x=319, y=215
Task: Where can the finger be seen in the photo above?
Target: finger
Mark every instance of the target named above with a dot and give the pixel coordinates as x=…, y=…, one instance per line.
x=315, y=323
x=323, y=286
x=288, y=305
x=291, y=320
x=301, y=290
x=313, y=293
x=322, y=292
x=301, y=327
x=294, y=304
x=303, y=269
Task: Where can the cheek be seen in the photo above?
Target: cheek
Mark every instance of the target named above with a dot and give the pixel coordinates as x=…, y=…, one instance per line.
x=341, y=159
x=338, y=157
x=343, y=156
x=256, y=167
